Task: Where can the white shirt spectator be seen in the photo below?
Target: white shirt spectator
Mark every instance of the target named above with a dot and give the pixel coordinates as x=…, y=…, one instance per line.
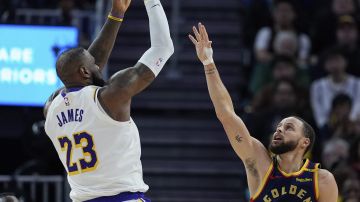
x=324, y=90
x=264, y=36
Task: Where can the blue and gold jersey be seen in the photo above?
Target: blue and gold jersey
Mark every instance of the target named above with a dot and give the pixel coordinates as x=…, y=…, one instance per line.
x=278, y=186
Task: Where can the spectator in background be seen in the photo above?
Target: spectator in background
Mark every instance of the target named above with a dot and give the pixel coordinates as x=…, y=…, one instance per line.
x=338, y=124
x=337, y=81
x=284, y=16
x=335, y=151
x=350, y=191
x=257, y=14
x=354, y=159
x=8, y=197
x=282, y=67
x=285, y=43
x=324, y=26
x=347, y=37
x=275, y=102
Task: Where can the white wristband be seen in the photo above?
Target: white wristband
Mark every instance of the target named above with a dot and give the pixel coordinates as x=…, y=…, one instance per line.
x=208, y=61
x=209, y=56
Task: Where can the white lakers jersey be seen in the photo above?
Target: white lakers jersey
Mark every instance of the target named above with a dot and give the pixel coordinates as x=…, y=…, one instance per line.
x=101, y=155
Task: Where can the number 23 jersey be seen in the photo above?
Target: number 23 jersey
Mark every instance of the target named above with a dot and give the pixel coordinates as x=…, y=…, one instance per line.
x=100, y=155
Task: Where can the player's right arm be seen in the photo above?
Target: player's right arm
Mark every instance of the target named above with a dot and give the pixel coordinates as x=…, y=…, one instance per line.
x=251, y=151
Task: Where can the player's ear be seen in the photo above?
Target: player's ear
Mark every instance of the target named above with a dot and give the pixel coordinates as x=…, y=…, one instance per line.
x=306, y=142
x=84, y=72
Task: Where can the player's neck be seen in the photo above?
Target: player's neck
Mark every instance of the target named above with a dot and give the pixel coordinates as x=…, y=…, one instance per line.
x=290, y=162
x=75, y=85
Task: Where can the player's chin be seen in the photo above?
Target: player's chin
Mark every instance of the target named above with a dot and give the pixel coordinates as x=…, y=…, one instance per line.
x=277, y=142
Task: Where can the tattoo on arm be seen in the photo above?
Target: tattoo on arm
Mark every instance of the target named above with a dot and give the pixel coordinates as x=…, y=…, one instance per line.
x=238, y=138
x=251, y=167
x=145, y=73
x=210, y=71
x=134, y=79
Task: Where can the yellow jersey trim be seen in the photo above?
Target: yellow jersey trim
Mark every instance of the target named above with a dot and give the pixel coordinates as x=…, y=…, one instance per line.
x=264, y=181
x=303, y=168
x=316, y=181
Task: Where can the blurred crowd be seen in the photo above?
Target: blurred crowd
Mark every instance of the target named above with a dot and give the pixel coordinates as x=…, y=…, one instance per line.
x=306, y=62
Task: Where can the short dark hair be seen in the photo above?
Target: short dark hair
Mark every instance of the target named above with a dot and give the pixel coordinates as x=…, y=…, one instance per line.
x=340, y=99
x=334, y=51
x=67, y=60
x=308, y=132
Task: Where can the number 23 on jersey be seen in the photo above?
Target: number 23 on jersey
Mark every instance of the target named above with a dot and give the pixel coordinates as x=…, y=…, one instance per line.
x=84, y=141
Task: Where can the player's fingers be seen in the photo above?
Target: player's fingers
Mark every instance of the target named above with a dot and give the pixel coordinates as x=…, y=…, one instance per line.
x=201, y=31
x=197, y=35
x=193, y=40
x=209, y=44
x=204, y=33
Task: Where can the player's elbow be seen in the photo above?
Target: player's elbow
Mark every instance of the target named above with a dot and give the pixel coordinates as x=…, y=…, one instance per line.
x=166, y=44
x=223, y=115
x=169, y=47
x=166, y=50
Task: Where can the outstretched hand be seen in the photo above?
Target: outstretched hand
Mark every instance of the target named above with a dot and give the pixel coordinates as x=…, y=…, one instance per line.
x=119, y=7
x=202, y=44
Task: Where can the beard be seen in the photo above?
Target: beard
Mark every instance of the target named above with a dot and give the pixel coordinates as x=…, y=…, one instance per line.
x=283, y=147
x=98, y=81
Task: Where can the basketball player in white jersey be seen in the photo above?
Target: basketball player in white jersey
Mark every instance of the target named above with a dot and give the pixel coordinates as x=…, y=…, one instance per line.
x=89, y=121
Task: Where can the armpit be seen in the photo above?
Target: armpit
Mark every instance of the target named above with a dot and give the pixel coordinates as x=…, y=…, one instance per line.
x=250, y=165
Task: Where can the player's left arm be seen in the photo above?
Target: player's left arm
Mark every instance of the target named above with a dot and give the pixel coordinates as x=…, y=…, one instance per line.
x=328, y=190
x=128, y=82
x=102, y=46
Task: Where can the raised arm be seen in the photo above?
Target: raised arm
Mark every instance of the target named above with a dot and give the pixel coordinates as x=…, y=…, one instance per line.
x=251, y=151
x=102, y=46
x=128, y=82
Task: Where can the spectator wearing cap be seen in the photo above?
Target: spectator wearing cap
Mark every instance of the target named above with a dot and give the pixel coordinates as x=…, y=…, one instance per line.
x=347, y=37
x=336, y=81
x=325, y=23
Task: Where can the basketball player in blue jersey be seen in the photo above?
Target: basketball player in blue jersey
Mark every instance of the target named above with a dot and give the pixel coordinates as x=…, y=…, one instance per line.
x=286, y=176
x=88, y=120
